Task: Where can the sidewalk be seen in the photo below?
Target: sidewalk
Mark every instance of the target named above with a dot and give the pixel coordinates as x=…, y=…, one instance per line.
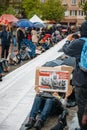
x=17, y=90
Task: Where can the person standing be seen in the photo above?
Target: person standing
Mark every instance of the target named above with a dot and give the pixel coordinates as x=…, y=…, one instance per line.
x=79, y=79
x=20, y=36
x=34, y=36
x=5, y=41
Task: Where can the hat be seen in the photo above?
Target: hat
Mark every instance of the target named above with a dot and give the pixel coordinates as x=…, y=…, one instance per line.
x=83, y=29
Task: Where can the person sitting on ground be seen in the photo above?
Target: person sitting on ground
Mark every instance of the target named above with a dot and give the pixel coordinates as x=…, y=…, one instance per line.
x=44, y=105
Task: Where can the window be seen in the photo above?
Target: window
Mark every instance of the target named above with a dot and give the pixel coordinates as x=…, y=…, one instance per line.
x=73, y=2
x=83, y=1
x=73, y=12
x=81, y=13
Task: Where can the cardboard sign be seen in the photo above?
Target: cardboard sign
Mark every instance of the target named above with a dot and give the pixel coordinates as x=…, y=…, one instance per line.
x=53, y=79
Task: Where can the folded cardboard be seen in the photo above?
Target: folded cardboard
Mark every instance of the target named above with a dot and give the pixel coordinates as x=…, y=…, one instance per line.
x=54, y=79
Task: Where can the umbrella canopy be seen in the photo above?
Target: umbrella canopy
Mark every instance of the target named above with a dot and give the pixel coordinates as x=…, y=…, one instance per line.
x=39, y=25
x=24, y=23
x=35, y=18
x=8, y=18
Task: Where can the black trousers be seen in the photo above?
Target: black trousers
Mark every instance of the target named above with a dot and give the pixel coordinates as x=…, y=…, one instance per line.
x=81, y=98
x=5, y=51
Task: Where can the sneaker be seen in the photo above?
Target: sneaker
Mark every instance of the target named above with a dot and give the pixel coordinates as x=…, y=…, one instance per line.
x=30, y=123
x=58, y=126
x=38, y=124
x=0, y=79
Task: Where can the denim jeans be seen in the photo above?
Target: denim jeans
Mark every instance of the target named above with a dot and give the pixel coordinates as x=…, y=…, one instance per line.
x=44, y=105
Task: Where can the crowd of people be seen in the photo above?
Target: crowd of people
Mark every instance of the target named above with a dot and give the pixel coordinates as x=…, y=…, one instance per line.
x=25, y=43
x=28, y=43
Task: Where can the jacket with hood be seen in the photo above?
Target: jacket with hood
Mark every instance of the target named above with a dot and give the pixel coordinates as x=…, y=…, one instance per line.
x=5, y=37
x=74, y=49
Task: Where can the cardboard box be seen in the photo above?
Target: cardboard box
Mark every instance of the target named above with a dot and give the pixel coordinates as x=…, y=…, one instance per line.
x=53, y=79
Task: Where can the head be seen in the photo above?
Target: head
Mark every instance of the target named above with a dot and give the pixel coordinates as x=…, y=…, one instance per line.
x=83, y=29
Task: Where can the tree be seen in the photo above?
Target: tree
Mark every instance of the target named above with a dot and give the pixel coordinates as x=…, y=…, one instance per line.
x=53, y=10
x=84, y=8
x=31, y=7
x=10, y=10
x=49, y=10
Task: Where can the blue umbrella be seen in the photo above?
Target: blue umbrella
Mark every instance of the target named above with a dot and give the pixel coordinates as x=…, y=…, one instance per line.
x=39, y=25
x=24, y=23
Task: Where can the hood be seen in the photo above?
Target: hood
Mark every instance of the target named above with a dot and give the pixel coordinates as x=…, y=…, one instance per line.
x=83, y=29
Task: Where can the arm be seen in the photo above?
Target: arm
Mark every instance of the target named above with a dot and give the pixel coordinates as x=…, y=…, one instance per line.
x=73, y=48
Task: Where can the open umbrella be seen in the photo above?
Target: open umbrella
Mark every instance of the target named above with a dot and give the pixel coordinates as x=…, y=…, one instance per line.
x=24, y=23
x=39, y=25
x=5, y=19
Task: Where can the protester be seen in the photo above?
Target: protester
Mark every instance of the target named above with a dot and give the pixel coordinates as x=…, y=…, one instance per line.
x=5, y=41
x=34, y=36
x=44, y=105
x=79, y=80
x=20, y=36
x=14, y=38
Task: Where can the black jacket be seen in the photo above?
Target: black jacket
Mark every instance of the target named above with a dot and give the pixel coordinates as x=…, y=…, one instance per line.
x=73, y=49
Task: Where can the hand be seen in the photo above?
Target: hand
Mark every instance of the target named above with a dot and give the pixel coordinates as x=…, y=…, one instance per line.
x=84, y=120
x=70, y=38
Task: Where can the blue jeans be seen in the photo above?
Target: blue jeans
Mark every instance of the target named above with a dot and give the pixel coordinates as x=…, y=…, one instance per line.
x=44, y=105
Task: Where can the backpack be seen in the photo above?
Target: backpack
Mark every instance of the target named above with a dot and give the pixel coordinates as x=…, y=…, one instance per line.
x=83, y=58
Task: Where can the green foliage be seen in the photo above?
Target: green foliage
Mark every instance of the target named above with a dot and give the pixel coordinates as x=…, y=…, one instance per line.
x=32, y=7
x=53, y=10
x=1, y=9
x=50, y=10
x=84, y=8
x=10, y=10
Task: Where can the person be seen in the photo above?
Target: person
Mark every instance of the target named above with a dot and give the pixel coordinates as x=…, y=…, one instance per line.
x=34, y=36
x=79, y=79
x=20, y=36
x=14, y=38
x=5, y=41
x=44, y=105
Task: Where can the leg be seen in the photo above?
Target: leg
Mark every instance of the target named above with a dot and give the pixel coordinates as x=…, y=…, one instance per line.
x=35, y=108
x=3, y=51
x=44, y=114
x=81, y=98
x=47, y=109
x=7, y=51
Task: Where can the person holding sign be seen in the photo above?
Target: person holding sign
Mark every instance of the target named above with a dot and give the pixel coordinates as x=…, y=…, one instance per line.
x=79, y=80
x=44, y=105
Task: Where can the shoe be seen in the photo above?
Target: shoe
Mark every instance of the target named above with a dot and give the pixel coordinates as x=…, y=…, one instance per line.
x=30, y=123
x=0, y=78
x=62, y=117
x=59, y=126
x=38, y=124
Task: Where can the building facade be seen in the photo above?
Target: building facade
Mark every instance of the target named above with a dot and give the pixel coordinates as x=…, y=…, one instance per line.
x=74, y=14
